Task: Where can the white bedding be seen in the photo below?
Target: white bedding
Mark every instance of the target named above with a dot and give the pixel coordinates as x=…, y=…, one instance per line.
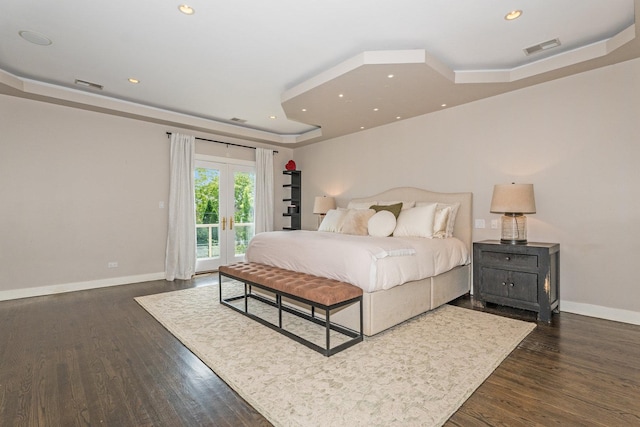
x=371, y=263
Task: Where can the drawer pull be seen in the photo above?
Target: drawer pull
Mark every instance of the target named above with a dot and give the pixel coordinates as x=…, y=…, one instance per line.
x=504, y=284
x=511, y=285
x=508, y=258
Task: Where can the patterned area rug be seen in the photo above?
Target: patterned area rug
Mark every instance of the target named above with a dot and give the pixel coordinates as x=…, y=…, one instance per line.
x=415, y=374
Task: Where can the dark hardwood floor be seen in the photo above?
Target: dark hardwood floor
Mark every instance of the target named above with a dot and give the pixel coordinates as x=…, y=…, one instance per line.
x=575, y=371
x=95, y=358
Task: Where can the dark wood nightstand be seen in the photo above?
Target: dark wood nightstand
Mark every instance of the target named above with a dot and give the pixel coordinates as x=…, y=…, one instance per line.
x=521, y=276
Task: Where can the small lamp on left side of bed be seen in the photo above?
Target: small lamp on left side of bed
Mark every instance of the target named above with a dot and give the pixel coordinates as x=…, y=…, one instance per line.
x=322, y=205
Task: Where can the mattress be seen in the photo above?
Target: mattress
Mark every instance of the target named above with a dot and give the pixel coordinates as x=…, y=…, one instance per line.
x=371, y=263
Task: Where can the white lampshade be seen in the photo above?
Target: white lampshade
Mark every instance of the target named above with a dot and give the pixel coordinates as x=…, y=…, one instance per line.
x=513, y=200
x=322, y=204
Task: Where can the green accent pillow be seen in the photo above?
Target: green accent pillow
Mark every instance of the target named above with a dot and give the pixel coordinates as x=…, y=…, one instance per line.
x=394, y=209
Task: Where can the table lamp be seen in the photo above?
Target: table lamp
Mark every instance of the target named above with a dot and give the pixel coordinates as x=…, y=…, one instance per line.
x=322, y=205
x=513, y=200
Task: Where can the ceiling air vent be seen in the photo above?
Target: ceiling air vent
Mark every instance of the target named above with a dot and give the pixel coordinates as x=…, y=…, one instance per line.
x=549, y=44
x=88, y=84
x=237, y=120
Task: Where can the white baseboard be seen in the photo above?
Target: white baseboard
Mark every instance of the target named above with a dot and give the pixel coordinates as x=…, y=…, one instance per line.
x=608, y=313
x=78, y=286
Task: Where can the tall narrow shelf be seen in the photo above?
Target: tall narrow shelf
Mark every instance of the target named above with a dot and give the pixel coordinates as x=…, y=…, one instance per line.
x=294, y=206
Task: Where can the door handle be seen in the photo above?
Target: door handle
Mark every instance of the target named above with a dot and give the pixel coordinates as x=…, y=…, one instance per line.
x=224, y=222
x=230, y=223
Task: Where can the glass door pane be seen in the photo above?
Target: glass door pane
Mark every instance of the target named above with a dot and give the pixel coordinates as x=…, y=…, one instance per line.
x=244, y=183
x=208, y=215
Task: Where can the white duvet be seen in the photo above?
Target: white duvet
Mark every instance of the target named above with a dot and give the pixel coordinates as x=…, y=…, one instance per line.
x=371, y=263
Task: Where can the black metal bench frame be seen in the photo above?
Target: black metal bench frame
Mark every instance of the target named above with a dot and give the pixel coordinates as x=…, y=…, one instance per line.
x=355, y=336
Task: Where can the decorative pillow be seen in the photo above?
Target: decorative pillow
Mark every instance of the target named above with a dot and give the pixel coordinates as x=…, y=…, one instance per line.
x=452, y=216
x=356, y=221
x=440, y=220
x=333, y=220
x=382, y=224
x=361, y=205
x=405, y=205
x=416, y=222
x=394, y=209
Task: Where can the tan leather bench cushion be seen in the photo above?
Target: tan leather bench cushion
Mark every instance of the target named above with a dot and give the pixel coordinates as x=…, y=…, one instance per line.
x=313, y=288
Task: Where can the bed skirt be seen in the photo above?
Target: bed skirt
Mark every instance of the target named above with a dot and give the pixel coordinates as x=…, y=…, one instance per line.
x=384, y=309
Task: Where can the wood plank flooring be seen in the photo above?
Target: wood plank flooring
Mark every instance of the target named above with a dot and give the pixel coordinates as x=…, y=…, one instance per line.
x=95, y=358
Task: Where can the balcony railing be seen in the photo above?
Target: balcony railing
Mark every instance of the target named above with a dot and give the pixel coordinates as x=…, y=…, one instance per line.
x=208, y=238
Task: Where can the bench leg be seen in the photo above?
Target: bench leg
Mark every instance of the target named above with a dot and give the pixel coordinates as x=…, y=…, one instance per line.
x=328, y=328
x=246, y=299
x=361, y=317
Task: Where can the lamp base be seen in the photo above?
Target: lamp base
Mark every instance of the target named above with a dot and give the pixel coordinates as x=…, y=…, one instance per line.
x=513, y=242
x=514, y=229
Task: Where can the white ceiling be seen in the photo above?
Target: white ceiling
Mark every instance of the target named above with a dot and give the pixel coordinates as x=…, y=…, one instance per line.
x=251, y=59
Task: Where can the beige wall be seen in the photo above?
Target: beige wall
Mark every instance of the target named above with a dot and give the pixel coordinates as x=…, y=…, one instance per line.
x=576, y=139
x=80, y=189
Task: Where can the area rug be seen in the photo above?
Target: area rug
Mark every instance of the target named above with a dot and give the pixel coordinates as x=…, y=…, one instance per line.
x=415, y=374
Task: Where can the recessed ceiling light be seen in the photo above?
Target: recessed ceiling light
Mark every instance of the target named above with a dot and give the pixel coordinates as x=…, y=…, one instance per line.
x=514, y=14
x=304, y=109
x=273, y=117
x=443, y=105
x=376, y=109
x=390, y=76
x=361, y=127
x=35, y=38
x=187, y=10
x=340, y=95
x=134, y=81
x=398, y=117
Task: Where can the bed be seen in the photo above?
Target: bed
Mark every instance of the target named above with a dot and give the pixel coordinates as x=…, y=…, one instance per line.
x=399, y=279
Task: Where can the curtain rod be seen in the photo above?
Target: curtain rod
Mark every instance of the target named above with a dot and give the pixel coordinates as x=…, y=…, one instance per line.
x=226, y=143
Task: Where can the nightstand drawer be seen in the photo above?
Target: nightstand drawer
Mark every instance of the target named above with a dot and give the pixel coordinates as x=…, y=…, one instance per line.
x=510, y=284
x=507, y=260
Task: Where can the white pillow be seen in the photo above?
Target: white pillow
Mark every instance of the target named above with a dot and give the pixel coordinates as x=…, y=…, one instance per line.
x=333, y=220
x=405, y=205
x=356, y=221
x=440, y=220
x=361, y=205
x=416, y=222
x=382, y=224
x=452, y=215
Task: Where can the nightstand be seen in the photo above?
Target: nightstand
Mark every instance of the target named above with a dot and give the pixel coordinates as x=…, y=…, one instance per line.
x=521, y=276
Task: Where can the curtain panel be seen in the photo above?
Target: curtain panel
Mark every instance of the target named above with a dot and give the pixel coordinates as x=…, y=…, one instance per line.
x=264, y=190
x=180, y=260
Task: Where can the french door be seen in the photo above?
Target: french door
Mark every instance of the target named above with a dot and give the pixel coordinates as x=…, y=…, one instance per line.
x=224, y=196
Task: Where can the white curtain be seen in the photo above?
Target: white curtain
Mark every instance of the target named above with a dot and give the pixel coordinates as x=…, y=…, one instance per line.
x=264, y=190
x=180, y=260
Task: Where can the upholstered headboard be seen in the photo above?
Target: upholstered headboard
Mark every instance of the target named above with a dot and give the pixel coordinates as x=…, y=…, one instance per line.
x=462, y=228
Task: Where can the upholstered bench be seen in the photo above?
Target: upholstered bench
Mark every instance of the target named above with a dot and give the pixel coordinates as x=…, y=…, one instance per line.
x=313, y=291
